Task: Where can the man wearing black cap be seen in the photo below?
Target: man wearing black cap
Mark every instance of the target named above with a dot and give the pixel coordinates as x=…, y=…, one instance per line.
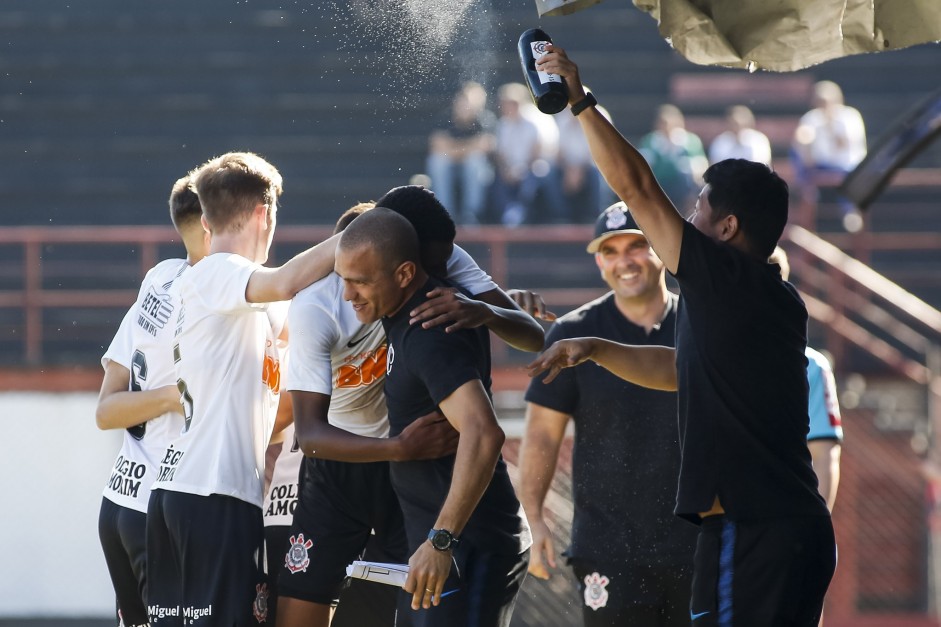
x=632, y=558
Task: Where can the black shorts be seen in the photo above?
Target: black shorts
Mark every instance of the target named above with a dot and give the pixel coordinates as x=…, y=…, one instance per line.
x=122, y=532
x=339, y=506
x=204, y=561
x=276, y=544
x=766, y=572
x=480, y=591
x=614, y=593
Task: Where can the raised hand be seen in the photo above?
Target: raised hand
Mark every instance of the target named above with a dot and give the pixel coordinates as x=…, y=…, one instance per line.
x=556, y=61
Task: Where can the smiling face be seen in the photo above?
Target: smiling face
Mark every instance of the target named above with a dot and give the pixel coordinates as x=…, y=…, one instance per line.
x=373, y=290
x=629, y=266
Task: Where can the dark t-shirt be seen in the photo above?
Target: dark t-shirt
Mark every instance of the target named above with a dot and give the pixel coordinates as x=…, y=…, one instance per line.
x=486, y=122
x=742, y=377
x=425, y=366
x=626, y=457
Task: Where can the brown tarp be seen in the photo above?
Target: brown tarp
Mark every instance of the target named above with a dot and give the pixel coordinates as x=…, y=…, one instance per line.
x=786, y=35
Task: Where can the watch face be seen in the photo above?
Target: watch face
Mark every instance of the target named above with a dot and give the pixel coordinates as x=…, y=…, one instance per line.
x=441, y=540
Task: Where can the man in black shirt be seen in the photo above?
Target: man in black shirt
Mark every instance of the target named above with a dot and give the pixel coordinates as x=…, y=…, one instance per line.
x=766, y=551
x=632, y=558
x=460, y=508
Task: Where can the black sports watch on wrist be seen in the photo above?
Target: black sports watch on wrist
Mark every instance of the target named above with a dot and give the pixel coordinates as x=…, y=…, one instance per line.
x=442, y=539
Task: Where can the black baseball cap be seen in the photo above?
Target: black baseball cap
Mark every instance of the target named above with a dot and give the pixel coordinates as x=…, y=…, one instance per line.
x=615, y=220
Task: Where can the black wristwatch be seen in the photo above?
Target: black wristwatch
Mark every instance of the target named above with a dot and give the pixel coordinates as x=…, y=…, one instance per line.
x=442, y=539
x=584, y=103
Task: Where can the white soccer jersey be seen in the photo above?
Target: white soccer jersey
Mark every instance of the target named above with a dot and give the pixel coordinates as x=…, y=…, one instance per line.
x=281, y=498
x=464, y=271
x=332, y=353
x=143, y=345
x=228, y=372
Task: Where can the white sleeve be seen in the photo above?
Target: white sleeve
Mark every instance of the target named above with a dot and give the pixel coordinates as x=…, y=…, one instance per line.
x=314, y=332
x=123, y=343
x=223, y=281
x=464, y=271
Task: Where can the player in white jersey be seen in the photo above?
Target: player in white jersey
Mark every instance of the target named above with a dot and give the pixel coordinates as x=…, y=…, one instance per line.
x=204, y=534
x=341, y=363
x=138, y=394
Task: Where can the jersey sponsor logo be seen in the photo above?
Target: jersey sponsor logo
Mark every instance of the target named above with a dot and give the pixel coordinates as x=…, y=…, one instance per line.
x=596, y=591
x=283, y=500
x=155, y=312
x=126, y=477
x=169, y=464
x=367, y=333
x=260, y=604
x=371, y=369
x=271, y=373
x=297, y=559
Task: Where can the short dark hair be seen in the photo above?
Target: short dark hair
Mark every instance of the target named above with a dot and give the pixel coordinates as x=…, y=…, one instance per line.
x=184, y=204
x=421, y=207
x=755, y=195
x=351, y=214
x=387, y=232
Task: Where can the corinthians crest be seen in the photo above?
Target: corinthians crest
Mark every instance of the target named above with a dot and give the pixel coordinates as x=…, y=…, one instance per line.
x=596, y=593
x=297, y=560
x=616, y=218
x=260, y=606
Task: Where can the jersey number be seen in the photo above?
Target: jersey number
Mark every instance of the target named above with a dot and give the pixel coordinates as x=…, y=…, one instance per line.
x=138, y=374
x=187, y=401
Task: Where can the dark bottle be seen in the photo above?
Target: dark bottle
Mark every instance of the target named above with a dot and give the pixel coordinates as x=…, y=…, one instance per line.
x=549, y=91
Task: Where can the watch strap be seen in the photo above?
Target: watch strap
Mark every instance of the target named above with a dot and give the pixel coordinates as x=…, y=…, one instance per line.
x=584, y=103
x=452, y=539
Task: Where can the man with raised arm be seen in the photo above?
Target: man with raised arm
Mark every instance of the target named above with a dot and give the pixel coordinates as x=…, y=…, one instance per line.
x=766, y=551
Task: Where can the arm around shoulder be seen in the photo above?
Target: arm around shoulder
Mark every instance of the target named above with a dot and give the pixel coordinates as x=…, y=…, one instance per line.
x=270, y=285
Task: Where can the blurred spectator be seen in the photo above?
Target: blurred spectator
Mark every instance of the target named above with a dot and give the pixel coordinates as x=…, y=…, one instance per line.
x=741, y=140
x=459, y=154
x=675, y=155
x=526, y=187
x=831, y=137
x=584, y=191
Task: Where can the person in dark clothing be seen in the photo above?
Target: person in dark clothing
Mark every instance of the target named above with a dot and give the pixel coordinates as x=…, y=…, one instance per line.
x=631, y=557
x=766, y=551
x=468, y=536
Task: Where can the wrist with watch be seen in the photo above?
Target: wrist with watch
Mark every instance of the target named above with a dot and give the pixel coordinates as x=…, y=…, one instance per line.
x=442, y=539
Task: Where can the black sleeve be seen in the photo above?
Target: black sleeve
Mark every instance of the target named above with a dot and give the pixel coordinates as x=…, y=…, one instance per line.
x=706, y=266
x=443, y=362
x=562, y=393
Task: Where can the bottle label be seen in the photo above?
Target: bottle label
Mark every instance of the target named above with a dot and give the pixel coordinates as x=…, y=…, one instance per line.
x=539, y=50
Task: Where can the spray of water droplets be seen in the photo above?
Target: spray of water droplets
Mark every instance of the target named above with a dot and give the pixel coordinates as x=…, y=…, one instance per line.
x=407, y=44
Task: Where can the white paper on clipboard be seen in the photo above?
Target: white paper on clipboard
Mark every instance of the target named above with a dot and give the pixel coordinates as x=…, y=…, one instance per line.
x=391, y=574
